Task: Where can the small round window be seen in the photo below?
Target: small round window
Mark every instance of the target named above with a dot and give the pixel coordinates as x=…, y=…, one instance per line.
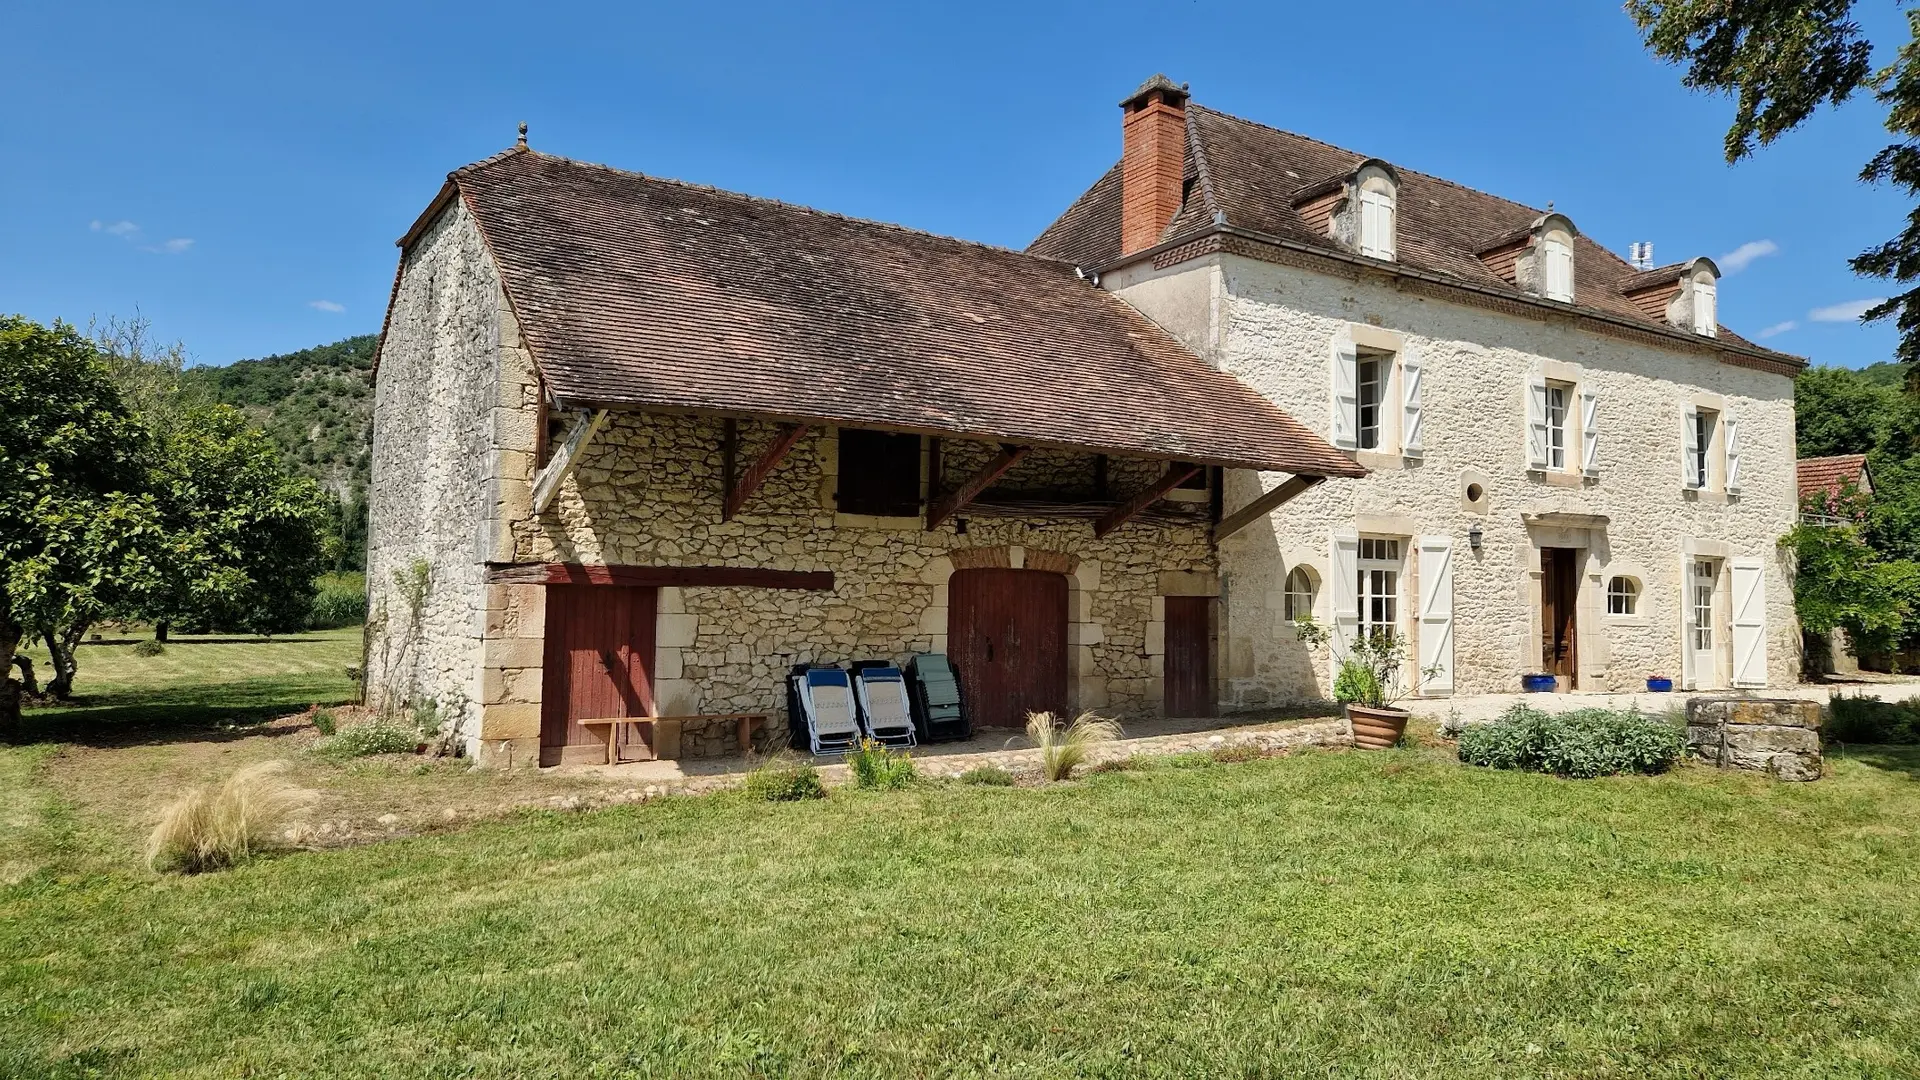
x=1623, y=596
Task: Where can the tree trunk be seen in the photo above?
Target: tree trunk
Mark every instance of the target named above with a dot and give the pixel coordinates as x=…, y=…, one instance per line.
x=29, y=682
x=9, y=686
x=61, y=645
x=160, y=631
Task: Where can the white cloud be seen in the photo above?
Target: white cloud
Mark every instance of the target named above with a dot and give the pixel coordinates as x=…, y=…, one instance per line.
x=1743, y=256
x=327, y=306
x=114, y=228
x=1847, y=312
x=176, y=246
x=1777, y=328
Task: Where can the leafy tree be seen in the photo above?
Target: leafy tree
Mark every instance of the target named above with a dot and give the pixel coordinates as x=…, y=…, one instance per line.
x=1784, y=59
x=1841, y=581
x=1838, y=412
x=73, y=514
x=245, y=536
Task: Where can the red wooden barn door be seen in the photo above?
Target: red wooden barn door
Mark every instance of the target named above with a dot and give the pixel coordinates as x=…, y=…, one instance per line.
x=1189, y=661
x=599, y=663
x=1007, y=637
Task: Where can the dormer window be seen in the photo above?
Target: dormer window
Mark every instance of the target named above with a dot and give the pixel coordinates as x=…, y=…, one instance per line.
x=1556, y=252
x=1376, y=224
x=1706, y=319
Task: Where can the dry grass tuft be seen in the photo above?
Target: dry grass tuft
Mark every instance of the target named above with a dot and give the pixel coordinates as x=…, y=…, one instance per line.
x=1064, y=747
x=211, y=828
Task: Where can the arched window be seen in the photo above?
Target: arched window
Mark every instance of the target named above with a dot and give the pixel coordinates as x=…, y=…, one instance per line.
x=1557, y=273
x=1300, y=590
x=1623, y=596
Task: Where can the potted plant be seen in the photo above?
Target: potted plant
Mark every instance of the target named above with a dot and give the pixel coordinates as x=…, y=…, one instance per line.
x=1369, y=683
x=1659, y=684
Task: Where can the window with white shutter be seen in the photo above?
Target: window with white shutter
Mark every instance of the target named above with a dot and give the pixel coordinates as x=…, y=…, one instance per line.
x=1436, y=614
x=1412, y=389
x=1730, y=436
x=1558, y=256
x=1343, y=584
x=1376, y=224
x=1696, y=438
x=1536, y=423
x=1589, y=432
x=1706, y=319
x=1749, y=623
x=1344, y=432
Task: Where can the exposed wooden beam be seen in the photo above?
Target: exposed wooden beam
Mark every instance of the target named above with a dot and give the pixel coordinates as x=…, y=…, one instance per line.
x=949, y=504
x=729, y=458
x=1264, y=505
x=739, y=491
x=546, y=484
x=1176, y=474
x=745, y=577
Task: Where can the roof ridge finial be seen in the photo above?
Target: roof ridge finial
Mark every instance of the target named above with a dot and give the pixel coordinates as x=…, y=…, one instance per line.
x=522, y=144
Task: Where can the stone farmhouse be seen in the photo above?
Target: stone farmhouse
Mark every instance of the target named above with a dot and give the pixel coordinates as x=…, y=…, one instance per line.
x=640, y=447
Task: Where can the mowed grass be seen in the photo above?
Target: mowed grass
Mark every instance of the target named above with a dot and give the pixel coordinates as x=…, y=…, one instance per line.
x=1326, y=914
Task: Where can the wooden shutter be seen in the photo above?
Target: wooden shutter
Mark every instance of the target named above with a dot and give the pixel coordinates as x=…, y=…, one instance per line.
x=1345, y=428
x=1730, y=431
x=1589, y=431
x=879, y=473
x=1436, y=614
x=1343, y=586
x=1411, y=390
x=1690, y=448
x=1536, y=422
x=1386, y=225
x=1559, y=272
x=1705, y=300
x=1749, y=623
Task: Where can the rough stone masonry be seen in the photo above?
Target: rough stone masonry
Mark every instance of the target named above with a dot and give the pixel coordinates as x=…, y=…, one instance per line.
x=1776, y=736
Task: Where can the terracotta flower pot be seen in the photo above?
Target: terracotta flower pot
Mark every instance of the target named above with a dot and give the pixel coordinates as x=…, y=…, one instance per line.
x=1376, y=729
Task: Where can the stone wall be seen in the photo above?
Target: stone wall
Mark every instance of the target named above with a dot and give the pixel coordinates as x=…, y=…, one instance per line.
x=434, y=396
x=1273, y=326
x=1778, y=737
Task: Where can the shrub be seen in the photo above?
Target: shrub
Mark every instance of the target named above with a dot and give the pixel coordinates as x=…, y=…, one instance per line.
x=784, y=780
x=379, y=736
x=340, y=601
x=1065, y=747
x=876, y=768
x=987, y=776
x=1861, y=719
x=325, y=722
x=208, y=828
x=148, y=647
x=1580, y=744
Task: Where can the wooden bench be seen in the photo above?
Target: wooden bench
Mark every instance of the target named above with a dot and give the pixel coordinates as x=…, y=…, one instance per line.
x=666, y=729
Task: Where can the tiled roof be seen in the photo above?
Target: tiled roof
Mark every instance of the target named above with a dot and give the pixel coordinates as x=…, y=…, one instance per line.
x=1250, y=177
x=634, y=291
x=1829, y=473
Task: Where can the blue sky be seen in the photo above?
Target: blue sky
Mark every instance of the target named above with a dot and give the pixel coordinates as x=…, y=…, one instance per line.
x=238, y=173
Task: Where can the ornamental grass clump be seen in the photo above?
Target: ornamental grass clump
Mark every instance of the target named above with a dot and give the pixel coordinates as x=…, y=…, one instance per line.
x=1064, y=747
x=877, y=768
x=1580, y=744
x=211, y=828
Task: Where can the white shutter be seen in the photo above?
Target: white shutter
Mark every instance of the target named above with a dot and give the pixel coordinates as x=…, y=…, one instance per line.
x=1411, y=384
x=1436, y=614
x=1690, y=448
x=1689, y=679
x=1749, y=623
x=1346, y=393
x=1730, y=431
x=1343, y=585
x=1559, y=272
x=1536, y=422
x=1705, y=319
x=1386, y=226
x=1376, y=224
x=1589, y=432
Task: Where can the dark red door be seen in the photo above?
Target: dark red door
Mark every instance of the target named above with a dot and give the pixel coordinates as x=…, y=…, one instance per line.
x=1007, y=637
x=599, y=663
x=1189, y=662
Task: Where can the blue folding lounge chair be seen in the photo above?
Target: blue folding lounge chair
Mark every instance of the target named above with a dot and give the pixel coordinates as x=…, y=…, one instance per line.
x=935, y=690
x=885, y=711
x=825, y=696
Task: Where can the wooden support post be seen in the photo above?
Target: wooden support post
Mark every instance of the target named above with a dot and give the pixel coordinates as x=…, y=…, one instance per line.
x=1175, y=475
x=757, y=473
x=558, y=467
x=1264, y=505
x=729, y=453
x=944, y=507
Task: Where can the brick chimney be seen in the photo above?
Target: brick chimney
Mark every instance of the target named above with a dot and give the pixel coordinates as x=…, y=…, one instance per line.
x=1153, y=159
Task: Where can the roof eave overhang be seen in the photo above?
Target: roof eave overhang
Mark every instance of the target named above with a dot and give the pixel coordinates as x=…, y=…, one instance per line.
x=566, y=401
x=1534, y=304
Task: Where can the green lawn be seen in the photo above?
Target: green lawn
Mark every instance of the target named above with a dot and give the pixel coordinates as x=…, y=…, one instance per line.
x=1326, y=914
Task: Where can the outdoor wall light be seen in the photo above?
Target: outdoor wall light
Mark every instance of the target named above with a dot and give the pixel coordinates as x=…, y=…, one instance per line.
x=1473, y=536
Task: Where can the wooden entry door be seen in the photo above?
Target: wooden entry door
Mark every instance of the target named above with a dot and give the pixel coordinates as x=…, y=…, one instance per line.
x=599, y=663
x=1189, y=660
x=1559, y=592
x=1007, y=637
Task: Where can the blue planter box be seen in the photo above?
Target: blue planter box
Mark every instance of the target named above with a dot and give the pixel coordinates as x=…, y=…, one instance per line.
x=1538, y=684
x=1660, y=686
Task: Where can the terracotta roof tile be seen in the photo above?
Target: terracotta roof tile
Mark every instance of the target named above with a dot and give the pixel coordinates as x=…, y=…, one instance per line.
x=637, y=291
x=1823, y=474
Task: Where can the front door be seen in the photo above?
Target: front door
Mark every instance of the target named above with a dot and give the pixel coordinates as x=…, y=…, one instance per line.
x=1189, y=660
x=1559, y=592
x=1703, y=654
x=599, y=664
x=1007, y=637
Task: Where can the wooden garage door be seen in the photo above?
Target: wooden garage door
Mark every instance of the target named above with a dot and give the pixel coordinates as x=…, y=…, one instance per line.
x=599, y=663
x=1189, y=661
x=1007, y=637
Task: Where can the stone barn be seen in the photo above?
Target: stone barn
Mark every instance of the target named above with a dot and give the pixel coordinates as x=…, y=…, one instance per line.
x=640, y=447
